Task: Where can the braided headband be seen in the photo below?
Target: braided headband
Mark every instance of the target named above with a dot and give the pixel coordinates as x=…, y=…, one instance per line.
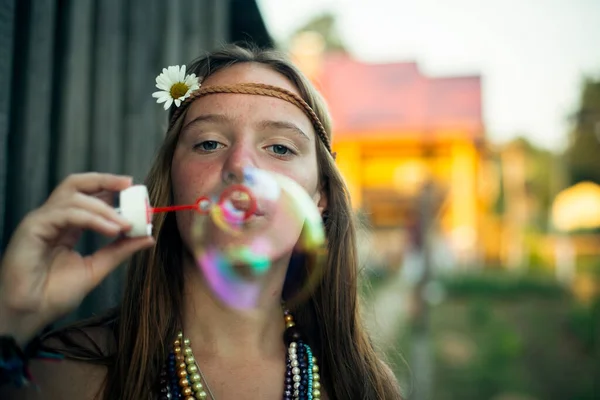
x=261, y=90
x=180, y=89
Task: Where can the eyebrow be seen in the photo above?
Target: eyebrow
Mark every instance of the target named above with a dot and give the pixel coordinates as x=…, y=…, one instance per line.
x=263, y=125
x=207, y=118
x=268, y=124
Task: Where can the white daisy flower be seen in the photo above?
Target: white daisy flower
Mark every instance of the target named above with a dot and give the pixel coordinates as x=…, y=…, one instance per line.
x=175, y=86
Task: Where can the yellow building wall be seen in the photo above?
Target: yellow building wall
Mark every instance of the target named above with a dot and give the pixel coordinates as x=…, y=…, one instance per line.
x=349, y=162
x=400, y=166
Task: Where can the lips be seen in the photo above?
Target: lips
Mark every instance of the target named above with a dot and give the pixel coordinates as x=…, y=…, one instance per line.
x=242, y=205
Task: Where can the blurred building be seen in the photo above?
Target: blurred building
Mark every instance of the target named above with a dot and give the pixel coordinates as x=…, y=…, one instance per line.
x=396, y=129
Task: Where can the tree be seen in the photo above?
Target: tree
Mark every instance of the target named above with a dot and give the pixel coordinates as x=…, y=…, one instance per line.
x=325, y=25
x=537, y=185
x=583, y=154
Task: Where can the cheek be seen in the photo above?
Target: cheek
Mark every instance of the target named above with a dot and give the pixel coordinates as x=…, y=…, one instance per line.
x=306, y=176
x=190, y=180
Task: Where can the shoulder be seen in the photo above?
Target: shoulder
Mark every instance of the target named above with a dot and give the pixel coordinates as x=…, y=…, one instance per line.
x=80, y=375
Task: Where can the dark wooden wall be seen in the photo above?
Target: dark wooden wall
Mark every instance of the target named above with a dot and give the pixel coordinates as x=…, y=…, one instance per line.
x=76, y=78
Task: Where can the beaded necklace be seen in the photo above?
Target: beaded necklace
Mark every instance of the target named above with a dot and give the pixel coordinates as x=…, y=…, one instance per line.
x=181, y=377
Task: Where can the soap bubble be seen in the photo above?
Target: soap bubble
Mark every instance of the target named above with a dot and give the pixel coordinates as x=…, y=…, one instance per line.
x=244, y=235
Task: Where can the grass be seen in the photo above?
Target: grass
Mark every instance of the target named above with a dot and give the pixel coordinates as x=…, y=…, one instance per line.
x=510, y=336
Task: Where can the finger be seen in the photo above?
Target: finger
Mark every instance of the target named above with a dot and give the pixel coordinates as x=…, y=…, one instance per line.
x=97, y=206
x=94, y=182
x=108, y=258
x=110, y=198
x=77, y=218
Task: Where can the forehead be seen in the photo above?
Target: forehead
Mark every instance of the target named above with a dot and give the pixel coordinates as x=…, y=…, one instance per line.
x=249, y=107
x=249, y=72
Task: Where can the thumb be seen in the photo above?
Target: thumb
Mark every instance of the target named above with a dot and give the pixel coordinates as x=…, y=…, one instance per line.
x=103, y=261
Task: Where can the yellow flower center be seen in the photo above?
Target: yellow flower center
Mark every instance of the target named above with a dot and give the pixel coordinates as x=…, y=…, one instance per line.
x=178, y=89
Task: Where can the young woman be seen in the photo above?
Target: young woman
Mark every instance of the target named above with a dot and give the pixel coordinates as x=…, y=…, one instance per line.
x=253, y=108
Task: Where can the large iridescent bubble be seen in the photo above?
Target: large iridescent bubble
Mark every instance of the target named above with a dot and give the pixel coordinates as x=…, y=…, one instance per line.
x=249, y=230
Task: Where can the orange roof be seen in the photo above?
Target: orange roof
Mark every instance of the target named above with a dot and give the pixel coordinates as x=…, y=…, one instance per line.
x=396, y=97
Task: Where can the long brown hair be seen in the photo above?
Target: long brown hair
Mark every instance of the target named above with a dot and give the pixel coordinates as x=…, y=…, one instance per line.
x=149, y=315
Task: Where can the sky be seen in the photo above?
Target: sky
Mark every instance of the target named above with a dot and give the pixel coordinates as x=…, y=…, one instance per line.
x=532, y=54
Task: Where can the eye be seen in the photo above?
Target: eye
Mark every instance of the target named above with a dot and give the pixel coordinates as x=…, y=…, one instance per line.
x=208, y=145
x=280, y=150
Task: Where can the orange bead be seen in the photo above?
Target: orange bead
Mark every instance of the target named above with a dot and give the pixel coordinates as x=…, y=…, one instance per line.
x=182, y=373
x=177, y=350
x=182, y=365
x=289, y=318
x=183, y=382
x=187, y=391
x=179, y=358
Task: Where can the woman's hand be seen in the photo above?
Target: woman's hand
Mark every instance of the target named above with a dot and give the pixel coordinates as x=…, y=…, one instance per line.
x=42, y=277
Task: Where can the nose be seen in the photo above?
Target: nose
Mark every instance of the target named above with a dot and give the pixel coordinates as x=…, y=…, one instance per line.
x=239, y=158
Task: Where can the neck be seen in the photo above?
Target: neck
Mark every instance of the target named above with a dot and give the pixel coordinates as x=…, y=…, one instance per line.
x=221, y=331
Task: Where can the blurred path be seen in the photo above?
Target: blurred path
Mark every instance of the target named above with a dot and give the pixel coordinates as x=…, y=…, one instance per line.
x=387, y=311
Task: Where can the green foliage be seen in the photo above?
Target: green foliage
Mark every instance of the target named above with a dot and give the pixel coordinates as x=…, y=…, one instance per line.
x=543, y=180
x=501, y=285
x=500, y=335
x=583, y=323
x=582, y=154
x=325, y=25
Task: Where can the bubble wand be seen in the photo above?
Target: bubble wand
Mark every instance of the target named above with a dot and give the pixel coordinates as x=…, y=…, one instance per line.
x=134, y=205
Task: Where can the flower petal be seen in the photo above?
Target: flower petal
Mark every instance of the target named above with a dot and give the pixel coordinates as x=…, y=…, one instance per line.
x=172, y=74
x=158, y=94
x=165, y=97
x=177, y=102
x=163, y=80
x=168, y=103
x=191, y=80
x=182, y=73
x=162, y=85
x=176, y=73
